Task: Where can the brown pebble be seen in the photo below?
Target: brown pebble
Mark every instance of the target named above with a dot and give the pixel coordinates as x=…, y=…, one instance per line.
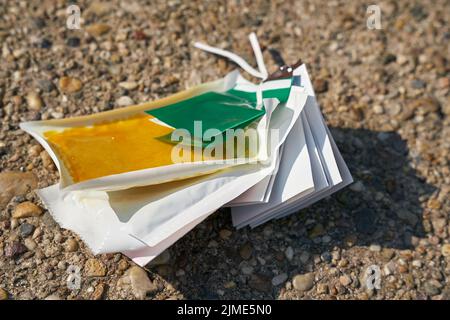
x=320, y=85
x=26, y=209
x=3, y=294
x=15, y=184
x=225, y=234
x=246, y=251
x=34, y=150
x=46, y=159
x=17, y=100
x=402, y=269
x=345, y=280
x=317, y=231
x=434, y=204
x=123, y=265
x=98, y=292
x=71, y=245
x=97, y=29
x=70, y=85
x=94, y=268
x=322, y=288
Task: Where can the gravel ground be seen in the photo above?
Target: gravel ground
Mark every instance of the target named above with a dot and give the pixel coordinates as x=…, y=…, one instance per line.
x=385, y=95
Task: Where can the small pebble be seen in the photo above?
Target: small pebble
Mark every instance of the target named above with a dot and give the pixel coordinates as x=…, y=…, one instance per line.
x=35, y=150
x=34, y=101
x=70, y=85
x=345, y=280
x=377, y=109
x=46, y=44
x=246, y=251
x=389, y=58
x=123, y=265
x=230, y=285
x=98, y=292
x=247, y=270
x=326, y=239
x=46, y=85
x=417, y=264
x=320, y=85
x=46, y=159
x=304, y=257
x=446, y=250
x=375, y=248
x=15, y=249
x=418, y=84
x=322, y=288
x=303, y=282
x=94, y=268
x=26, y=209
x=225, y=234
x=3, y=294
x=402, y=59
x=38, y=23
x=358, y=186
x=30, y=244
x=62, y=265
x=316, y=231
x=73, y=42
x=26, y=229
x=37, y=232
x=97, y=29
x=260, y=282
x=14, y=223
x=124, y=101
x=71, y=245
x=141, y=285
x=128, y=85
x=431, y=289
x=443, y=83
x=326, y=256
x=289, y=252
x=15, y=184
x=279, y=279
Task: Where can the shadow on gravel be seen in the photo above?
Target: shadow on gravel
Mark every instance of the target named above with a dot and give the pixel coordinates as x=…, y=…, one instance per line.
x=382, y=207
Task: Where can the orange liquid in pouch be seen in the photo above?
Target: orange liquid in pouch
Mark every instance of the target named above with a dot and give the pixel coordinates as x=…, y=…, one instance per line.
x=112, y=148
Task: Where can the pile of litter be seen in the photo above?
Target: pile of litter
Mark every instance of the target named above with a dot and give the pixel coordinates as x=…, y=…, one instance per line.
x=137, y=179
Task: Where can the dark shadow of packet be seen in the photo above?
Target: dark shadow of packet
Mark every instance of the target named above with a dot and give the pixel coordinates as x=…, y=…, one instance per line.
x=382, y=207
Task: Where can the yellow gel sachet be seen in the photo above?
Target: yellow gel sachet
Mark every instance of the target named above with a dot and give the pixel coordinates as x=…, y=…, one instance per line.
x=112, y=148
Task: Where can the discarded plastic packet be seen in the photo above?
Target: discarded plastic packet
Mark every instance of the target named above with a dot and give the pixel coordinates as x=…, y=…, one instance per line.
x=142, y=217
x=138, y=218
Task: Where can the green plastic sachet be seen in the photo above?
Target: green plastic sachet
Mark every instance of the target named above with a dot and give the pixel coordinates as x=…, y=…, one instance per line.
x=232, y=109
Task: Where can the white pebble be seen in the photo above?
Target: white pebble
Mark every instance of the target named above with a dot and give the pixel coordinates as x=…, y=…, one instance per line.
x=289, y=253
x=124, y=101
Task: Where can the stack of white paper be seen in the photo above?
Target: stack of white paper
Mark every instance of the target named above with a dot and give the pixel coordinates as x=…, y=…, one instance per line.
x=310, y=168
